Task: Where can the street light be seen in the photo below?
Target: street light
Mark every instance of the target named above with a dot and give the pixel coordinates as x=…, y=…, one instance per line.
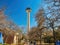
x=28, y=10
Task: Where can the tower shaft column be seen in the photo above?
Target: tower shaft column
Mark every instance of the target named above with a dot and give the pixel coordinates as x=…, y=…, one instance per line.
x=28, y=22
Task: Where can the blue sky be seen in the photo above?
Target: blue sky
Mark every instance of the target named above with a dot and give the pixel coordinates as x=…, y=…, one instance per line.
x=16, y=10
x=1, y=41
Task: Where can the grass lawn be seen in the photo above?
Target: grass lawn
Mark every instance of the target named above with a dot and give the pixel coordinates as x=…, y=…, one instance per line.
x=4, y=44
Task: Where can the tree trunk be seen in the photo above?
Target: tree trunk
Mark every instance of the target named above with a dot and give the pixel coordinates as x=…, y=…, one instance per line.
x=54, y=37
x=40, y=36
x=53, y=32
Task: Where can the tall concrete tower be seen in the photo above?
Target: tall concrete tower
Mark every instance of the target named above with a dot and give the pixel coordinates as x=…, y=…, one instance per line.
x=28, y=10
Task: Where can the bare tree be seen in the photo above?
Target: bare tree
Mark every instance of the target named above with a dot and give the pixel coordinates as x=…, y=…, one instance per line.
x=40, y=21
x=8, y=28
x=36, y=34
x=49, y=15
x=52, y=14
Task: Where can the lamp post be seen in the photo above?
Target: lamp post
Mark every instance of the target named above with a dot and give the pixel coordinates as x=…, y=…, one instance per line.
x=28, y=10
